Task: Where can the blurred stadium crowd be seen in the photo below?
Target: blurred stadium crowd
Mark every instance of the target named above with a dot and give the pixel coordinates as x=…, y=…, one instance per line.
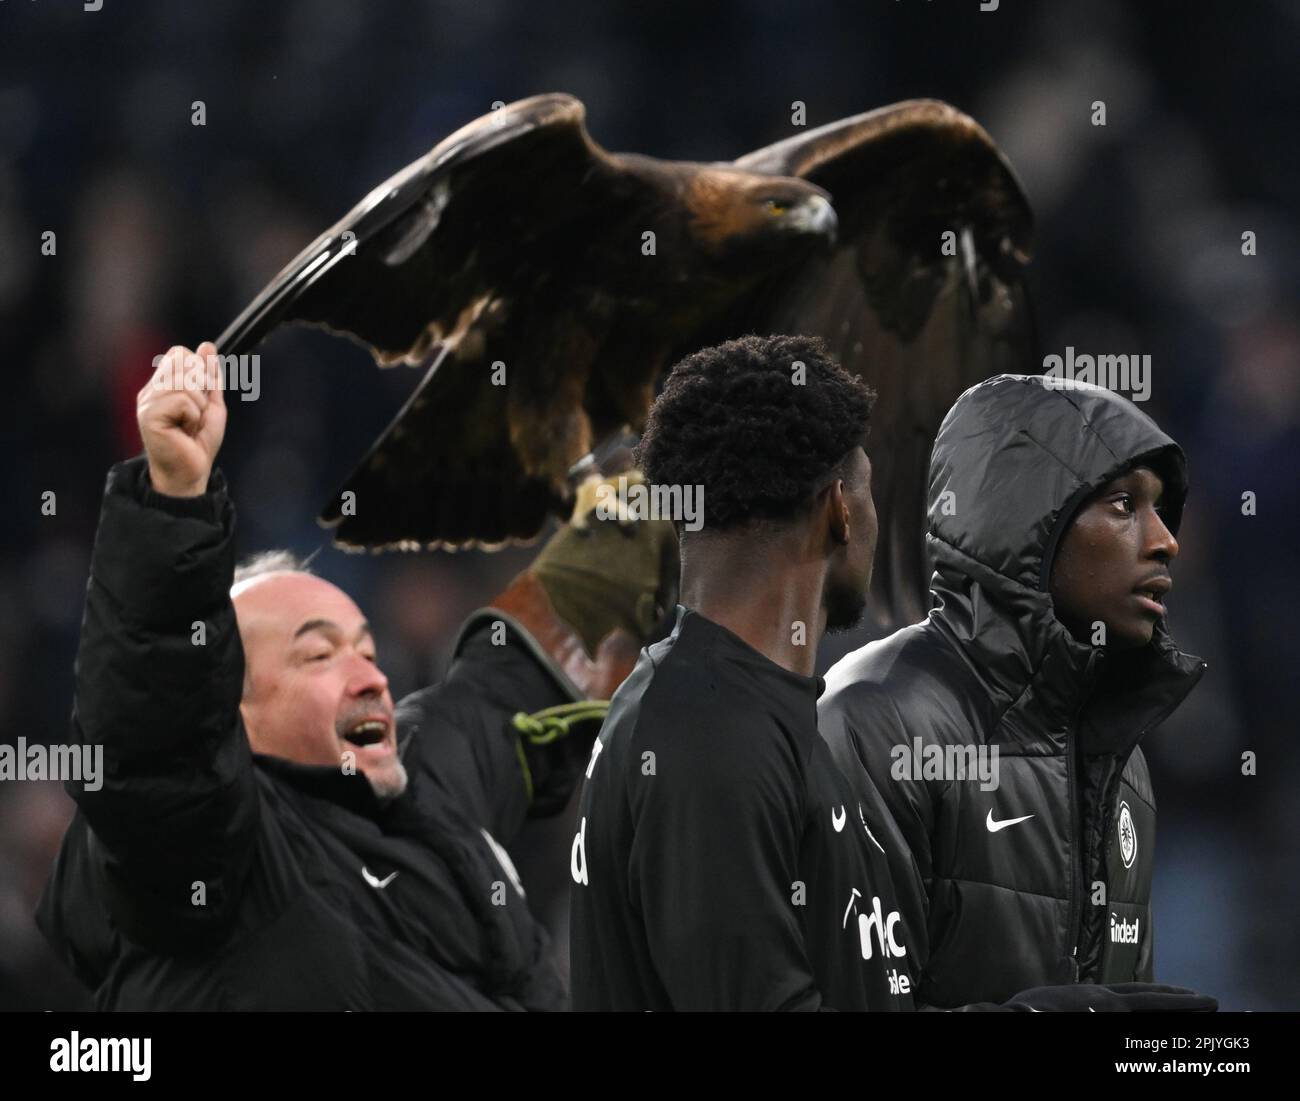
x=164, y=230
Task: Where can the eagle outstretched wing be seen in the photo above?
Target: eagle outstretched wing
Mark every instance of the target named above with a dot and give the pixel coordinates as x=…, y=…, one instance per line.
x=545, y=284
x=424, y=271
x=923, y=295
x=400, y=269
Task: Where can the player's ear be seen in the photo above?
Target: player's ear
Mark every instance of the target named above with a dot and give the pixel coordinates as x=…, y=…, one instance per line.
x=837, y=510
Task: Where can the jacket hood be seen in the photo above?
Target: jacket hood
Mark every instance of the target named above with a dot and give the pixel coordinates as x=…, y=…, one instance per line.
x=1014, y=459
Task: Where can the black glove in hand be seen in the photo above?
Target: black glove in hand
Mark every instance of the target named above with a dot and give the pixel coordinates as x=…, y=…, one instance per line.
x=1124, y=997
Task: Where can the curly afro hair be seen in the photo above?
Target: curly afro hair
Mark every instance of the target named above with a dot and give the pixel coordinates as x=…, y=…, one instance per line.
x=759, y=437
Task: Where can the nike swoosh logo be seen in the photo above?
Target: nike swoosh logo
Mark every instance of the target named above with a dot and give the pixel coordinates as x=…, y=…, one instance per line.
x=837, y=820
x=374, y=881
x=993, y=826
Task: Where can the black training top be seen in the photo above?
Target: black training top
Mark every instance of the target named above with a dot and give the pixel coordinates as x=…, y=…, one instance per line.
x=722, y=860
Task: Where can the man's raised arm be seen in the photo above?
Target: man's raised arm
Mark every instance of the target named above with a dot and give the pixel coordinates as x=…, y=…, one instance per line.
x=159, y=674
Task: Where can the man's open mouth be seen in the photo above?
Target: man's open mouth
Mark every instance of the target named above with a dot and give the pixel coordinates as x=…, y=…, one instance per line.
x=1154, y=588
x=367, y=732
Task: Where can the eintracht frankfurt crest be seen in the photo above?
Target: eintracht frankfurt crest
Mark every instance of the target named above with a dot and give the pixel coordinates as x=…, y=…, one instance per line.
x=1128, y=843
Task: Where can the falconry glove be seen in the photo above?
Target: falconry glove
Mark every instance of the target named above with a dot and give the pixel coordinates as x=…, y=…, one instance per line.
x=601, y=587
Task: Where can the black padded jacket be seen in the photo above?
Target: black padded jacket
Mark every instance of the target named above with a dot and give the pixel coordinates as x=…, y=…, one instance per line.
x=201, y=876
x=1063, y=893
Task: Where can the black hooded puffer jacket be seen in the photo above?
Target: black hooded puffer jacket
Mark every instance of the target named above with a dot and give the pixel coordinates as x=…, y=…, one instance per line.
x=1062, y=894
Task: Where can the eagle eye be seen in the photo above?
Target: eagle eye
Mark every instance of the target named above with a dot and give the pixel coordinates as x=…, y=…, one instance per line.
x=776, y=206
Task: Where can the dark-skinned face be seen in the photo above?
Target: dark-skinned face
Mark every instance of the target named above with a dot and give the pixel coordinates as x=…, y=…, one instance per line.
x=1112, y=565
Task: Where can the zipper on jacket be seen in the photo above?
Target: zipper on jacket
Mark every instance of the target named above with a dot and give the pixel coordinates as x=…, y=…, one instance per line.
x=1074, y=929
x=1072, y=935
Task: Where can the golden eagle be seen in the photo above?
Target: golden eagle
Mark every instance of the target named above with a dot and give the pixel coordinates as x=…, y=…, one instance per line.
x=546, y=284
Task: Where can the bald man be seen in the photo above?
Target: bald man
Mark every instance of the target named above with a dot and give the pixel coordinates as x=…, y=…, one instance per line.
x=270, y=831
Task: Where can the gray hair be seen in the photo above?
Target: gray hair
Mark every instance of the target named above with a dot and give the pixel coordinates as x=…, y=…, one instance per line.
x=270, y=561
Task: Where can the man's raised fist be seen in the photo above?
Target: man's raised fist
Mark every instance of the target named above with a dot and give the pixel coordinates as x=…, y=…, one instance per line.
x=181, y=411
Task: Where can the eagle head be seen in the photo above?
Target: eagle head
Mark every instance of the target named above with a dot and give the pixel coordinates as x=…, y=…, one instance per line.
x=746, y=215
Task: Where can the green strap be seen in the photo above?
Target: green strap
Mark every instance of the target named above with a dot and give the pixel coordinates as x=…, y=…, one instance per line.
x=544, y=727
x=523, y=768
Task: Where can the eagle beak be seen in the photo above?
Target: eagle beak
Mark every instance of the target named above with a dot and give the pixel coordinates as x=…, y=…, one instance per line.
x=814, y=215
